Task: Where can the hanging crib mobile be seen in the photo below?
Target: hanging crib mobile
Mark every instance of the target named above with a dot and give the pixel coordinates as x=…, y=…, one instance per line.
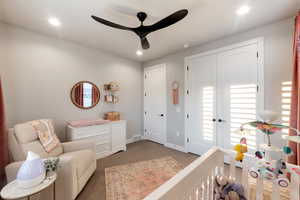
x=266, y=167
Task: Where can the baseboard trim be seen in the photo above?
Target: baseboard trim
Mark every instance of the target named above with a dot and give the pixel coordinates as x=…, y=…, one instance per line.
x=175, y=146
x=134, y=138
x=143, y=137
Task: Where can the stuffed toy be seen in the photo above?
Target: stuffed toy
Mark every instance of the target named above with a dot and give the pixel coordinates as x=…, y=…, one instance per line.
x=241, y=149
x=233, y=191
x=220, y=183
x=224, y=189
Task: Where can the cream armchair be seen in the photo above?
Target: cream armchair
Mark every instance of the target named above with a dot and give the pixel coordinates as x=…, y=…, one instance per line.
x=77, y=161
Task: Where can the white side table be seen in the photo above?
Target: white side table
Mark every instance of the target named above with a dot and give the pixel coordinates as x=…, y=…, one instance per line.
x=12, y=191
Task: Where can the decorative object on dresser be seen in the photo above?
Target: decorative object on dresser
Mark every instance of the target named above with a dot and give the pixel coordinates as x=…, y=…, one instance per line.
x=110, y=90
x=109, y=137
x=112, y=116
x=85, y=95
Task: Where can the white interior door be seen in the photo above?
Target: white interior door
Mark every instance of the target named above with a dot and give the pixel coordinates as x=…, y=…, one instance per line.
x=238, y=95
x=201, y=103
x=155, y=103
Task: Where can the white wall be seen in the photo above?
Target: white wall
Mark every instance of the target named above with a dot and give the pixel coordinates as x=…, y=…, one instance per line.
x=38, y=73
x=278, y=39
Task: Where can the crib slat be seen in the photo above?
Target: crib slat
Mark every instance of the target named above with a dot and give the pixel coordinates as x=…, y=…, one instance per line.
x=204, y=191
x=221, y=170
x=295, y=185
x=191, y=194
x=275, y=191
x=213, y=173
x=207, y=188
x=259, y=188
x=201, y=191
x=198, y=193
x=232, y=169
x=195, y=193
x=245, y=178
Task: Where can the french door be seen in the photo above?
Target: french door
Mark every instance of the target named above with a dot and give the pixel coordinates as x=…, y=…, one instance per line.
x=155, y=103
x=223, y=92
x=201, y=104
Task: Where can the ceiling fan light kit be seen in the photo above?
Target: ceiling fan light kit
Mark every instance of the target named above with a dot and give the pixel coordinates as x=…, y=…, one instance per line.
x=142, y=31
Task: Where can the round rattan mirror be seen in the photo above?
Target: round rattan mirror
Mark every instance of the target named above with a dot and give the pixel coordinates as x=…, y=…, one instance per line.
x=85, y=95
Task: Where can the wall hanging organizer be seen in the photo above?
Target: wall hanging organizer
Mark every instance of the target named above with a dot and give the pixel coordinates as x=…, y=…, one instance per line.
x=111, y=90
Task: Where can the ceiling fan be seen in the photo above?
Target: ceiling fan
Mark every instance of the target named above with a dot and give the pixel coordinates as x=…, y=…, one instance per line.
x=142, y=31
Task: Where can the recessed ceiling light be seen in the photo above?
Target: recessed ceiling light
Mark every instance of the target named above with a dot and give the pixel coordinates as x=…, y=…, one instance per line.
x=186, y=45
x=139, y=52
x=243, y=10
x=54, y=21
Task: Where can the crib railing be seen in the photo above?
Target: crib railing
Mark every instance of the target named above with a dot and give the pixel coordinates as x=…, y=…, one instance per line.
x=196, y=181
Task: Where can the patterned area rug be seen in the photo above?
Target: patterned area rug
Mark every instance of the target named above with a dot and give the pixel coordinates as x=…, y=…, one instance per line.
x=134, y=181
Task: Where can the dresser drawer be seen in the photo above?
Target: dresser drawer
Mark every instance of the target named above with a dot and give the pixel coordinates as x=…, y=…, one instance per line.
x=100, y=139
x=90, y=131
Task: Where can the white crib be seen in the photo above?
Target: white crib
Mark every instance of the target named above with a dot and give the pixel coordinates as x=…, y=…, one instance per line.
x=195, y=182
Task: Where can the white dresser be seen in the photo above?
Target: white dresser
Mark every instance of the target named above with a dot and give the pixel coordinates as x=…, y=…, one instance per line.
x=109, y=137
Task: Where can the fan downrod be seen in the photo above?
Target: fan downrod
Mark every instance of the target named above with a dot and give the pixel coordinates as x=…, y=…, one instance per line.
x=141, y=16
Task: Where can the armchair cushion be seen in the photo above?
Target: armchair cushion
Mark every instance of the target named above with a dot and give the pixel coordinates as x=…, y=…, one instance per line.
x=11, y=170
x=37, y=148
x=78, y=145
x=82, y=160
x=25, y=133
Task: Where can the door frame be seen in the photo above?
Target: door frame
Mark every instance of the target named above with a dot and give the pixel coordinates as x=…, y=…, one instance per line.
x=260, y=50
x=164, y=68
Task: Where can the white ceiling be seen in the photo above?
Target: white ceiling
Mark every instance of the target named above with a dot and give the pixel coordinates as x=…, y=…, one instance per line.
x=207, y=20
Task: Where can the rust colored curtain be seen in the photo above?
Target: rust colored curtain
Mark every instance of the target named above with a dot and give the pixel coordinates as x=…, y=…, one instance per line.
x=95, y=95
x=295, y=104
x=79, y=94
x=3, y=140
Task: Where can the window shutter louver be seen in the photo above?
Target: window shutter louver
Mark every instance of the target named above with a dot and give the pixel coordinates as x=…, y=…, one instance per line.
x=286, y=89
x=242, y=110
x=208, y=113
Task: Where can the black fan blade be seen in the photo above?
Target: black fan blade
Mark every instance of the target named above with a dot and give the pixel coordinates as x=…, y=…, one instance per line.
x=171, y=19
x=145, y=43
x=111, y=24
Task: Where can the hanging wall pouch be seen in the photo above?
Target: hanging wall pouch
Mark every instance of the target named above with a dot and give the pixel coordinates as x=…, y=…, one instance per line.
x=175, y=92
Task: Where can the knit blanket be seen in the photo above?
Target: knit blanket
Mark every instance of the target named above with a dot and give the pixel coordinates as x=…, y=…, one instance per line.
x=45, y=131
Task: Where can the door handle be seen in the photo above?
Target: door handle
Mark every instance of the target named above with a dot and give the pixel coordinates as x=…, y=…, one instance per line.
x=221, y=120
x=214, y=120
x=161, y=115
